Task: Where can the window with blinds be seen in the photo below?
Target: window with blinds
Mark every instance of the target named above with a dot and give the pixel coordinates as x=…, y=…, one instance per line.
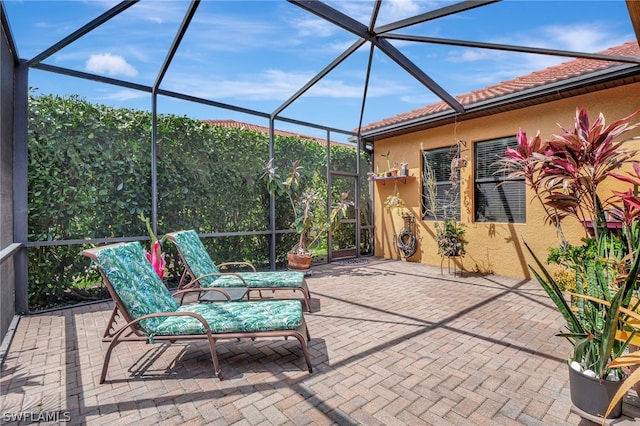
x=447, y=195
x=493, y=203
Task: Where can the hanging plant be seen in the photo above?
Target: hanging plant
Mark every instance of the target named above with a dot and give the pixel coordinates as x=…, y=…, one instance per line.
x=450, y=239
x=394, y=201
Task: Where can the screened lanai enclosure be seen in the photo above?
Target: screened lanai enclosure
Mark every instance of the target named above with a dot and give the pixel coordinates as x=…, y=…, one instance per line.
x=104, y=107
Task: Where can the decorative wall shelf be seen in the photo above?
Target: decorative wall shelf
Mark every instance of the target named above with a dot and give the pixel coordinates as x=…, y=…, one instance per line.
x=403, y=179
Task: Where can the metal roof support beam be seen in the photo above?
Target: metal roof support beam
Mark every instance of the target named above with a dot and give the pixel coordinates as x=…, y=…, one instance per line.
x=20, y=187
x=346, y=22
x=366, y=88
x=120, y=7
x=176, y=42
x=374, y=15
x=203, y=101
x=319, y=76
x=434, y=14
x=513, y=48
x=334, y=16
x=272, y=200
x=175, y=95
x=8, y=34
x=154, y=110
x=92, y=77
x=418, y=74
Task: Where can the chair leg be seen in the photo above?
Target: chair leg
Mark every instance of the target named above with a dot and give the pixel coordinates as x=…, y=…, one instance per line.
x=305, y=352
x=214, y=356
x=107, y=357
x=307, y=296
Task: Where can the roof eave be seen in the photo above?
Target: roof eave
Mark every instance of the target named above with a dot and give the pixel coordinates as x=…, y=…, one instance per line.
x=534, y=96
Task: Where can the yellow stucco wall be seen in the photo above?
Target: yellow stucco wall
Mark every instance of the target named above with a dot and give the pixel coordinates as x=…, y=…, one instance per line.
x=492, y=247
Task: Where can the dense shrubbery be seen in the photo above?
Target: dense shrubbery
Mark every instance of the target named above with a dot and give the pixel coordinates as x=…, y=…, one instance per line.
x=90, y=177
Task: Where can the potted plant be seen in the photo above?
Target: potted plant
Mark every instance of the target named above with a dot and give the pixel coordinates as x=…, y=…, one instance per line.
x=565, y=174
x=394, y=201
x=311, y=227
x=450, y=238
x=391, y=171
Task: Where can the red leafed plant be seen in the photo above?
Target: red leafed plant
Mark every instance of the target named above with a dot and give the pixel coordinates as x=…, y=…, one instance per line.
x=156, y=257
x=630, y=199
x=565, y=171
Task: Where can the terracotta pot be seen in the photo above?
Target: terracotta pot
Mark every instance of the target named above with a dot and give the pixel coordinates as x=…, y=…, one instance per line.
x=297, y=261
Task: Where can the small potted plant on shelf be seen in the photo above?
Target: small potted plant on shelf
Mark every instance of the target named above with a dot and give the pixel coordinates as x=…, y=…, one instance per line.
x=311, y=228
x=601, y=314
x=389, y=169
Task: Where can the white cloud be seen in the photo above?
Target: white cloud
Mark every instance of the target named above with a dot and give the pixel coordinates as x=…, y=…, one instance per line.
x=399, y=9
x=124, y=95
x=278, y=85
x=469, y=55
x=420, y=99
x=314, y=27
x=107, y=63
x=582, y=37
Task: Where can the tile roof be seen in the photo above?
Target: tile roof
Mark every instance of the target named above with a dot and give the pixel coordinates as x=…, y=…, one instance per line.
x=264, y=129
x=563, y=71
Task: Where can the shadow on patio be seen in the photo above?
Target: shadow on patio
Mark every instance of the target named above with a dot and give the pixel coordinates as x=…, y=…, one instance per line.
x=392, y=343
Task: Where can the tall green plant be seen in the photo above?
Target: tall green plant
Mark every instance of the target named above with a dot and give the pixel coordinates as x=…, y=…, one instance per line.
x=310, y=226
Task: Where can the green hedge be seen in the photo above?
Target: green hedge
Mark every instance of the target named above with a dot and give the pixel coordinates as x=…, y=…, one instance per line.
x=90, y=177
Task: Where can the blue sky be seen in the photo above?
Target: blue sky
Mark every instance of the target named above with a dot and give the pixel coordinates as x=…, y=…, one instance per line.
x=257, y=54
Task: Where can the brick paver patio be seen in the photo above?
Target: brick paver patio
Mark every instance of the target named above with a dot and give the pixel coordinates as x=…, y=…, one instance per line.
x=393, y=343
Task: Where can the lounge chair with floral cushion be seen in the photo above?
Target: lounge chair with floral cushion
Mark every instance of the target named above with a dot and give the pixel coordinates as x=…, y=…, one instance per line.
x=152, y=314
x=198, y=264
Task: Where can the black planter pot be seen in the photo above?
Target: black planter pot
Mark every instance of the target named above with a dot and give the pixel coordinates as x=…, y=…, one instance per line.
x=592, y=396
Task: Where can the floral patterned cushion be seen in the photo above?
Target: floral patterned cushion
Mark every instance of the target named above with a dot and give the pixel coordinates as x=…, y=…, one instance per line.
x=200, y=263
x=136, y=283
x=197, y=257
x=142, y=293
x=264, y=279
x=235, y=317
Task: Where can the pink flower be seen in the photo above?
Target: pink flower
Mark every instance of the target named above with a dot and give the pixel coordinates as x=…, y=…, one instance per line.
x=156, y=259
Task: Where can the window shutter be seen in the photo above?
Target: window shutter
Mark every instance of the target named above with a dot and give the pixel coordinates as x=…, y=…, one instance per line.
x=447, y=197
x=497, y=198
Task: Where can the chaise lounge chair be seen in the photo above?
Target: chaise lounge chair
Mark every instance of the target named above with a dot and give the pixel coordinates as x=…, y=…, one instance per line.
x=198, y=264
x=152, y=313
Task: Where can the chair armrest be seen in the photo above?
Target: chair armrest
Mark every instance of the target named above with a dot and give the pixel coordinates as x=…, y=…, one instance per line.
x=202, y=290
x=215, y=274
x=199, y=317
x=246, y=264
